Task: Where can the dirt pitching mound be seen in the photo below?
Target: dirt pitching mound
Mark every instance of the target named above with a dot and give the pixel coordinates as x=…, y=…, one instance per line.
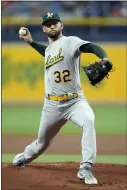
x=61, y=176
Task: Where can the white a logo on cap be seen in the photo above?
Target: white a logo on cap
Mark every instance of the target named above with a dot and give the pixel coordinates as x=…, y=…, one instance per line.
x=49, y=15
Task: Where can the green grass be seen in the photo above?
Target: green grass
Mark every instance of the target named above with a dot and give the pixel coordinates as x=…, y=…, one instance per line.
x=114, y=159
x=110, y=120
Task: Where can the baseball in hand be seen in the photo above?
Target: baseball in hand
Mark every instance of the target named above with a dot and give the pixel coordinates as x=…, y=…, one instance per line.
x=22, y=32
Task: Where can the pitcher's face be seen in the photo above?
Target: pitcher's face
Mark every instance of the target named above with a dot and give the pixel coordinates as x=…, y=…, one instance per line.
x=53, y=28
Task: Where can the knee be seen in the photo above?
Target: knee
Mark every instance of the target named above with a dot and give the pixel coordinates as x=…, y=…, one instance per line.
x=89, y=121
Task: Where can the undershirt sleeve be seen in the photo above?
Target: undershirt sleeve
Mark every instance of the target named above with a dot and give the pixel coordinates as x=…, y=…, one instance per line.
x=93, y=48
x=75, y=44
x=39, y=47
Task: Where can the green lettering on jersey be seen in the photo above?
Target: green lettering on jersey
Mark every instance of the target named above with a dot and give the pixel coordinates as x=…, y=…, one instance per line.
x=53, y=60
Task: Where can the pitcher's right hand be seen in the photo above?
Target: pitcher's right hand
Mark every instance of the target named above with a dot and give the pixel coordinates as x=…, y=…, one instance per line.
x=26, y=37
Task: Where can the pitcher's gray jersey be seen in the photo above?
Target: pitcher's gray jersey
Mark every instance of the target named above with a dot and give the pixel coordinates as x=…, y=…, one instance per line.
x=62, y=66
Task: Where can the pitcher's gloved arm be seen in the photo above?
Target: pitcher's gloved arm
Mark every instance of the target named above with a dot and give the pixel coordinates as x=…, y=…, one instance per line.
x=39, y=47
x=95, y=49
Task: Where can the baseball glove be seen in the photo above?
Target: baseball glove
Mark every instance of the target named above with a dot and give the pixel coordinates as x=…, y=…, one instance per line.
x=97, y=71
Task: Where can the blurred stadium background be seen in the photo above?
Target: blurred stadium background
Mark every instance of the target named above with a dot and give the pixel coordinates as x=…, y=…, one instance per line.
x=103, y=23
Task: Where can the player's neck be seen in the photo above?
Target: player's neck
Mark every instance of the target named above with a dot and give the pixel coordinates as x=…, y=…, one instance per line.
x=51, y=40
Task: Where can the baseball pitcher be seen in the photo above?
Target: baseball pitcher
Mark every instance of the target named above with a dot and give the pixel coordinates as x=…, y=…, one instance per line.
x=64, y=99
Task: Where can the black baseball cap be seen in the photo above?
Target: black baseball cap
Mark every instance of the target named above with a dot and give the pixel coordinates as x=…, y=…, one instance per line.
x=50, y=16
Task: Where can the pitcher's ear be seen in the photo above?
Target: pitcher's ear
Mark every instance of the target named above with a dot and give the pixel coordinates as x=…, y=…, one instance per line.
x=43, y=28
x=62, y=25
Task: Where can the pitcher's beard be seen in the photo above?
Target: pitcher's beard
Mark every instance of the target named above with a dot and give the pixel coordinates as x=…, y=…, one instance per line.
x=54, y=34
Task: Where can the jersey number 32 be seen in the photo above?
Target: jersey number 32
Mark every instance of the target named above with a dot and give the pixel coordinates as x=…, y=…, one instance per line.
x=65, y=75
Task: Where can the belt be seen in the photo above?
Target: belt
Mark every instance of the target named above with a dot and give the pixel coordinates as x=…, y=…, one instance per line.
x=63, y=97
